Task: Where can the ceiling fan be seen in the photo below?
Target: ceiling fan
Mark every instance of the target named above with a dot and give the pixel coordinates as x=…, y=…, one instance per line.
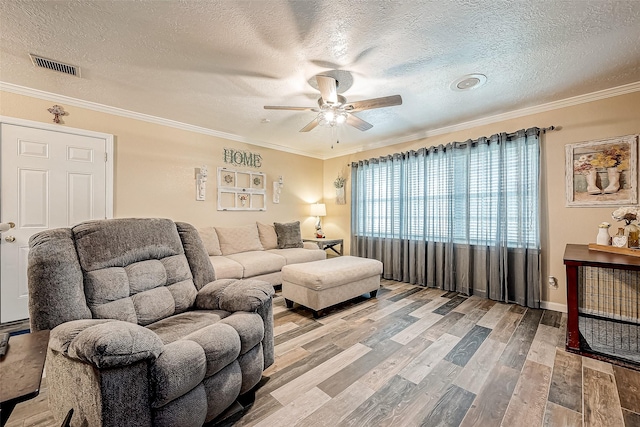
x=333, y=109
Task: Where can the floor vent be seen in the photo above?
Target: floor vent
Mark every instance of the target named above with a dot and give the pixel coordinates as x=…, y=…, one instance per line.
x=50, y=64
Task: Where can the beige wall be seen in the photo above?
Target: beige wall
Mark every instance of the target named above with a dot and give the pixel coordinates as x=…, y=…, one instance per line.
x=560, y=225
x=155, y=168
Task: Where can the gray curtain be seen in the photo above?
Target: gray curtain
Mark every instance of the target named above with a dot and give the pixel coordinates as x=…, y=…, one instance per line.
x=462, y=217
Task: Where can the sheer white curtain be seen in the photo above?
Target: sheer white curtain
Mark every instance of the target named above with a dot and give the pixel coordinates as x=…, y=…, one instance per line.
x=461, y=217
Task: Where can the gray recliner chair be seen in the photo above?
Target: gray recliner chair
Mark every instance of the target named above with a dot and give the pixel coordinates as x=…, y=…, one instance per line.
x=141, y=332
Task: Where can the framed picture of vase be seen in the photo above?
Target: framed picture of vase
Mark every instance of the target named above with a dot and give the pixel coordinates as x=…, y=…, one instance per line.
x=602, y=172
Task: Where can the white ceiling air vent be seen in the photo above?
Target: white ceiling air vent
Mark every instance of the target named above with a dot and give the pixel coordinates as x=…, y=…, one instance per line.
x=51, y=64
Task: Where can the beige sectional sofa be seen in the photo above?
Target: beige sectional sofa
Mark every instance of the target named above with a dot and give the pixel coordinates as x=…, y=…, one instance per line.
x=256, y=251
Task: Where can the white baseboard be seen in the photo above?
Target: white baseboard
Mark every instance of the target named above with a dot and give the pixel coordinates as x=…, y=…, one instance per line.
x=554, y=306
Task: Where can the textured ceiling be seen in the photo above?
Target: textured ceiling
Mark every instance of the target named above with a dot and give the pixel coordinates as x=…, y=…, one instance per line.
x=215, y=64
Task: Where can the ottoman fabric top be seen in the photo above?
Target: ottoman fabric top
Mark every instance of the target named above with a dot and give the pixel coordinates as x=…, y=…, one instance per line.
x=331, y=272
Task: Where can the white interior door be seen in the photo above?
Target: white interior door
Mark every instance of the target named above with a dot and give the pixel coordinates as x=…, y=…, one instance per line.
x=50, y=178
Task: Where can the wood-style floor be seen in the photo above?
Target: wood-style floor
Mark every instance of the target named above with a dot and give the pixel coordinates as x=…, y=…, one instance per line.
x=416, y=356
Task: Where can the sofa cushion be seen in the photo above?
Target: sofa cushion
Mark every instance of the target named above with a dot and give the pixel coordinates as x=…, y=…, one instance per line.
x=135, y=270
x=169, y=383
x=120, y=242
x=209, y=237
x=179, y=326
x=289, y=235
x=251, y=365
x=235, y=295
x=238, y=239
x=226, y=268
x=250, y=328
x=222, y=390
x=190, y=409
x=113, y=344
x=221, y=344
x=300, y=255
x=268, y=236
x=258, y=262
x=142, y=292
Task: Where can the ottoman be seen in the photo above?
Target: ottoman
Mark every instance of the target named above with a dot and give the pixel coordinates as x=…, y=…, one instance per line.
x=320, y=284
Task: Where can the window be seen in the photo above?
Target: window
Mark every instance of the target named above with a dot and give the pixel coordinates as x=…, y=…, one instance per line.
x=480, y=193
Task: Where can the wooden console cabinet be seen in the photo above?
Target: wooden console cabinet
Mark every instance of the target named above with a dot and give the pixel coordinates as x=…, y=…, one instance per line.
x=577, y=259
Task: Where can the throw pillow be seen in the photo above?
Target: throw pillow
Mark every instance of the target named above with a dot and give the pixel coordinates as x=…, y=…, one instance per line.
x=239, y=239
x=268, y=236
x=210, y=239
x=289, y=235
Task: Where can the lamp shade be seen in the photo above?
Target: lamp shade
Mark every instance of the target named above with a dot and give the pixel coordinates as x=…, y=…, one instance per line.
x=318, y=209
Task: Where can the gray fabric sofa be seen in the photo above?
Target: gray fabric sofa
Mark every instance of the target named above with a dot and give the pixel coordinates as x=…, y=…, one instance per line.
x=142, y=333
x=256, y=251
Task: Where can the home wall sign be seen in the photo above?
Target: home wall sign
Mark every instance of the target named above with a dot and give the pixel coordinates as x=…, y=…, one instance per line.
x=241, y=190
x=242, y=158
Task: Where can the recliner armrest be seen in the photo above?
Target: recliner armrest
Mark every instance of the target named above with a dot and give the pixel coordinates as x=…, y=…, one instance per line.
x=234, y=295
x=105, y=343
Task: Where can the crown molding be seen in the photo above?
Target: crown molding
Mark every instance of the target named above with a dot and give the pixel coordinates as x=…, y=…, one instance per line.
x=94, y=106
x=563, y=103
x=568, y=102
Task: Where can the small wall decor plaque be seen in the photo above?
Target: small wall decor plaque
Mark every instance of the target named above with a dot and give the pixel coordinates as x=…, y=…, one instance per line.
x=201, y=182
x=339, y=185
x=57, y=111
x=277, y=189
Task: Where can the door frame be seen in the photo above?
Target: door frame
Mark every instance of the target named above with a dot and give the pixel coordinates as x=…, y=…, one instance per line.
x=109, y=164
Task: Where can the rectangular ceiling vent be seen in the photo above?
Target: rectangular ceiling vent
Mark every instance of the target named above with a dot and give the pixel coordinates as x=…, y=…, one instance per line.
x=50, y=64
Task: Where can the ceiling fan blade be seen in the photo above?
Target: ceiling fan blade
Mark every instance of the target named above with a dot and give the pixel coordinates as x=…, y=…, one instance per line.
x=328, y=89
x=279, y=107
x=310, y=126
x=368, y=104
x=358, y=123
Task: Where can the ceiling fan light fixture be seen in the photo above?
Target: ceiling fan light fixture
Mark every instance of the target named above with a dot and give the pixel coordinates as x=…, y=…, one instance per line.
x=331, y=116
x=468, y=82
x=333, y=109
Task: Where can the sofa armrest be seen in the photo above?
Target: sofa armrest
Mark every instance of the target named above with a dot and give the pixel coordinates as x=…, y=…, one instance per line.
x=234, y=295
x=105, y=343
x=310, y=245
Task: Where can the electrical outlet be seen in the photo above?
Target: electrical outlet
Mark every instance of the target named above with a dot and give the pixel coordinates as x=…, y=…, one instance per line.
x=553, y=282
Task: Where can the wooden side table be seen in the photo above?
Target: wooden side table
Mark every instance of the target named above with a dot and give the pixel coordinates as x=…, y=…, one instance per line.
x=21, y=370
x=325, y=244
x=575, y=258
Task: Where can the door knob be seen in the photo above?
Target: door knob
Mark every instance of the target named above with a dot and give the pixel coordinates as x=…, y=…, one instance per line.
x=10, y=239
x=4, y=226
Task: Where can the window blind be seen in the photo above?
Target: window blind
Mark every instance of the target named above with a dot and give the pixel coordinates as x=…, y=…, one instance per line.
x=483, y=192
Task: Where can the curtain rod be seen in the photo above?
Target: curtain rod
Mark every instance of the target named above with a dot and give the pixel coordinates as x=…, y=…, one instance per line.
x=543, y=130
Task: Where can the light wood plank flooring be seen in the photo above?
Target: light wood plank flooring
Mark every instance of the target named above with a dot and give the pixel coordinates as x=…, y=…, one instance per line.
x=416, y=356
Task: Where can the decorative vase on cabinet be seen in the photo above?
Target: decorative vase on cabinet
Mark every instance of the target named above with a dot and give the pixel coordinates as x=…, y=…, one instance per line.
x=603, y=237
x=632, y=232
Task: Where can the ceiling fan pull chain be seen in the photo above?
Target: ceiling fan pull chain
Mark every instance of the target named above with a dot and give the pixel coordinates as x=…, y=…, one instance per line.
x=334, y=131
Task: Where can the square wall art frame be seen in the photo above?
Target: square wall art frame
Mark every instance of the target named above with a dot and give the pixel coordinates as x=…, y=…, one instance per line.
x=240, y=190
x=602, y=172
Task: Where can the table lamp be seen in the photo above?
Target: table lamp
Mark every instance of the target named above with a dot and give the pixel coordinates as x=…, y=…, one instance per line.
x=318, y=210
